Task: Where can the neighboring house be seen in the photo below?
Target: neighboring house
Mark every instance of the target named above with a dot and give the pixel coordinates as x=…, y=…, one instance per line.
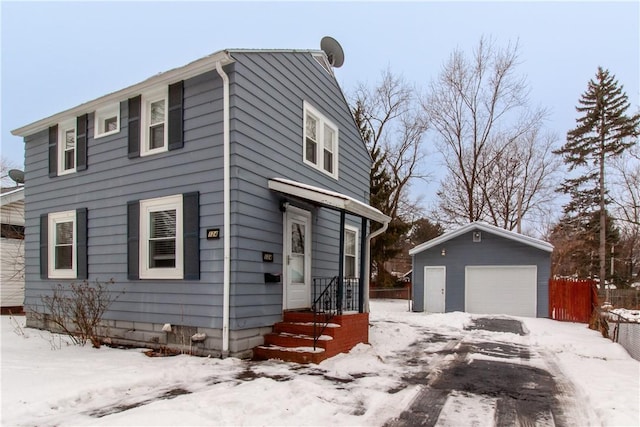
x=217, y=196
x=12, y=244
x=479, y=268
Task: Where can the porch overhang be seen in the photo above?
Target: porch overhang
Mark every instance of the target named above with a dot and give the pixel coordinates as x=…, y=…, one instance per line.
x=327, y=198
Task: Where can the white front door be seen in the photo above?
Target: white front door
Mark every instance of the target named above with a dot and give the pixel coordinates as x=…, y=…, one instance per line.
x=297, y=258
x=434, y=289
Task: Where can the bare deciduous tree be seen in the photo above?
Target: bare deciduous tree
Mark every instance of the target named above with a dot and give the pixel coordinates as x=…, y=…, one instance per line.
x=516, y=180
x=397, y=124
x=479, y=107
x=393, y=125
x=625, y=197
x=5, y=166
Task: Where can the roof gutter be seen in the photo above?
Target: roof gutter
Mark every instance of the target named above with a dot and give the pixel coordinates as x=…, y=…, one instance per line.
x=226, y=234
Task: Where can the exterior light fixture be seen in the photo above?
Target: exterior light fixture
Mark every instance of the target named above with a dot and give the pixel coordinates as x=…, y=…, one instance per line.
x=443, y=252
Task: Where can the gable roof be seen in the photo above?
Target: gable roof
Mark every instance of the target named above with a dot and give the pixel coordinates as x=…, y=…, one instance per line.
x=536, y=243
x=192, y=69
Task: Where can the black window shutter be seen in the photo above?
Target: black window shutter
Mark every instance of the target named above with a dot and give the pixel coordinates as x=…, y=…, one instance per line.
x=44, y=246
x=133, y=237
x=134, y=126
x=53, y=151
x=176, y=96
x=81, y=241
x=82, y=132
x=191, y=235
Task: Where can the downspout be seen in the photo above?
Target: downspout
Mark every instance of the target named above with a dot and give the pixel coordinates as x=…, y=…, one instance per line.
x=226, y=234
x=367, y=276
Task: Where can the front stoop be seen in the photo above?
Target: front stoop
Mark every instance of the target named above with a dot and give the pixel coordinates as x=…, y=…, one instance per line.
x=292, y=339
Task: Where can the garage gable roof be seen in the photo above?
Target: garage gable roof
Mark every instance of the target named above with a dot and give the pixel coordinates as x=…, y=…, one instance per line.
x=536, y=243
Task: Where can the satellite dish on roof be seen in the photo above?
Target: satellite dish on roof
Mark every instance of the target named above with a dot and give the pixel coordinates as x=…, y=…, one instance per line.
x=17, y=176
x=334, y=52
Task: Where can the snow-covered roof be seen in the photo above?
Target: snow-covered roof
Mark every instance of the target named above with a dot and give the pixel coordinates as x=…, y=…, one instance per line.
x=536, y=243
x=327, y=198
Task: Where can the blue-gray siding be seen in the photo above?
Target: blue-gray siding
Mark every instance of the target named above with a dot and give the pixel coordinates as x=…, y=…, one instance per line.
x=492, y=250
x=267, y=94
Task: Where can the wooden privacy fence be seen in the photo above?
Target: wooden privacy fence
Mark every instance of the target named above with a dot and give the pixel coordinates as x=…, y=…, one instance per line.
x=572, y=299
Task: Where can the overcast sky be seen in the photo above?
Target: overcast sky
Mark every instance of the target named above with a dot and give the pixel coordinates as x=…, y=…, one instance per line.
x=56, y=55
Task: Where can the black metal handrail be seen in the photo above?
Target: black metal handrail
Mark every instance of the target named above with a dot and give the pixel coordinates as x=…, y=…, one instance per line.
x=323, y=303
x=329, y=299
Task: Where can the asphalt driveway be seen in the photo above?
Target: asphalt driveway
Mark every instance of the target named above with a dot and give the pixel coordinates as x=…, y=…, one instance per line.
x=506, y=378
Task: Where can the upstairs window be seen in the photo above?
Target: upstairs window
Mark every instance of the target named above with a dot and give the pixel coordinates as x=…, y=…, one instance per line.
x=67, y=147
x=107, y=121
x=155, y=121
x=155, y=129
x=320, y=142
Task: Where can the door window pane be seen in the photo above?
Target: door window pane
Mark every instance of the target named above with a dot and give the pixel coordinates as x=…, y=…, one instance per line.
x=296, y=263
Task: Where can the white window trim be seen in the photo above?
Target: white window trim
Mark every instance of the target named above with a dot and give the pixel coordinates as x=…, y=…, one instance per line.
x=53, y=219
x=145, y=119
x=104, y=113
x=154, y=205
x=322, y=121
x=357, y=248
x=62, y=128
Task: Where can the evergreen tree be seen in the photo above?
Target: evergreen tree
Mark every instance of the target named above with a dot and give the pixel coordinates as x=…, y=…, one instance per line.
x=603, y=131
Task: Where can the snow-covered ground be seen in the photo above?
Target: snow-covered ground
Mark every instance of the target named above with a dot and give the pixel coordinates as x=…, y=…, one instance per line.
x=48, y=382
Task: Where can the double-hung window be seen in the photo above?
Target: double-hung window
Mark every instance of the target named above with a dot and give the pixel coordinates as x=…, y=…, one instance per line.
x=320, y=143
x=62, y=245
x=67, y=147
x=154, y=123
x=350, y=252
x=161, y=243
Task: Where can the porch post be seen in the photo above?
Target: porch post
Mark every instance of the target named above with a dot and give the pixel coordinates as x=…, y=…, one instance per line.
x=340, y=290
x=362, y=268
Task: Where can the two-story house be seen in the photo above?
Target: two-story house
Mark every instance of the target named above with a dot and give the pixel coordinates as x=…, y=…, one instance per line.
x=221, y=197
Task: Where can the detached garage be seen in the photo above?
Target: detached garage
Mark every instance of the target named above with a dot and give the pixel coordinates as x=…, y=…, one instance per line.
x=482, y=269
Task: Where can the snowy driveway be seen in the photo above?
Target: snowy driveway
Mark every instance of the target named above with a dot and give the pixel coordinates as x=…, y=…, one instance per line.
x=500, y=378
x=440, y=369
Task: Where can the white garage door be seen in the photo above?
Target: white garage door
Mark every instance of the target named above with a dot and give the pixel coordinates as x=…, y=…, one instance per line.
x=501, y=290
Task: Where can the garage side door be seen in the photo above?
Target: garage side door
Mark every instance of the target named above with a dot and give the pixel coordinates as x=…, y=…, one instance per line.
x=501, y=290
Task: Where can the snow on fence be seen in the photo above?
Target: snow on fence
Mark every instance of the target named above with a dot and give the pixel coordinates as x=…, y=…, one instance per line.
x=624, y=328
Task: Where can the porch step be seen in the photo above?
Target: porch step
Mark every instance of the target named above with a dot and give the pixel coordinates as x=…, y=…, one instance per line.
x=292, y=339
x=297, y=355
